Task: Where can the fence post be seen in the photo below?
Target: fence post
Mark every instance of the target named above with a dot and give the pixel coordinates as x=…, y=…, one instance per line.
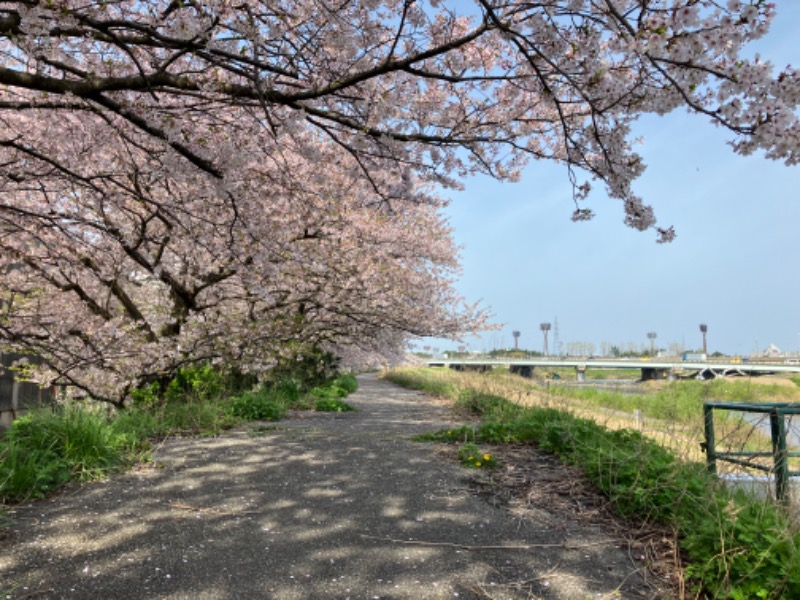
x=711, y=453
x=777, y=424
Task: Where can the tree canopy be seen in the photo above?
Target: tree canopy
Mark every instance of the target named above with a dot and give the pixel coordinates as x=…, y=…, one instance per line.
x=224, y=180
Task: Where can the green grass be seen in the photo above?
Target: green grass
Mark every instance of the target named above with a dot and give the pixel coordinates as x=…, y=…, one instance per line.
x=329, y=398
x=483, y=404
x=428, y=380
x=680, y=401
x=738, y=547
x=612, y=374
x=347, y=382
x=471, y=456
x=259, y=405
x=332, y=405
x=45, y=449
x=591, y=374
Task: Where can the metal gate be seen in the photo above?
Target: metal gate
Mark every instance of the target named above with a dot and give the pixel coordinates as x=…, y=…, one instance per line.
x=780, y=454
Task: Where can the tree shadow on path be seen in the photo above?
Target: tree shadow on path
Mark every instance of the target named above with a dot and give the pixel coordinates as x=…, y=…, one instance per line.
x=316, y=507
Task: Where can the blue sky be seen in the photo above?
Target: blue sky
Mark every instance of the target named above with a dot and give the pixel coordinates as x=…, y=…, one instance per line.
x=734, y=265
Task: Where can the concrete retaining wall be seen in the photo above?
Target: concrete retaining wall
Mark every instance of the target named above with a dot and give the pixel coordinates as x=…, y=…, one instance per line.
x=17, y=397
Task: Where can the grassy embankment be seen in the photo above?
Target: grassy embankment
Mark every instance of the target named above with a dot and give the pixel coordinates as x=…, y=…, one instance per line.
x=50, y=447
x=738, y=547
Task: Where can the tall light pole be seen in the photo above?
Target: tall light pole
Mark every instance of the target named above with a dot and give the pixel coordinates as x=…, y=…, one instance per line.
x=516, y=339
x=545, y=327
x=651, y=335
x=704, y=331
x=556, y=341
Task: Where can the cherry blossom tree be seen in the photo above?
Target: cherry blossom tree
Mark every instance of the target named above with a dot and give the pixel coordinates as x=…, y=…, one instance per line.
x=211, y=180
x=125, y=271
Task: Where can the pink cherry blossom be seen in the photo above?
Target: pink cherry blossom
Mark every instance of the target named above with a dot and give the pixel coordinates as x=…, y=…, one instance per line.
x=226, y=181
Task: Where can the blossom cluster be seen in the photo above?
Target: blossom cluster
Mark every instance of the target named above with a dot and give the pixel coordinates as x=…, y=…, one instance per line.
x=229, y=181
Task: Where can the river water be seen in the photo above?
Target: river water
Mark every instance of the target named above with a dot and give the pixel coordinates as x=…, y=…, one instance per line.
x=623, y=386
x=761, y=421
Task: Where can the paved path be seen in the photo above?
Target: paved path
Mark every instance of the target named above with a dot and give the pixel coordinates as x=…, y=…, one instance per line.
x=319, y=507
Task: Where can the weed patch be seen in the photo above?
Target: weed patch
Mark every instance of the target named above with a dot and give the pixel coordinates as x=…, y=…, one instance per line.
x=483, y=404
x=328, y=398
x=45, y=449
x=332, y=405
x=347, y=382
x=472, y=457
x=738, y=547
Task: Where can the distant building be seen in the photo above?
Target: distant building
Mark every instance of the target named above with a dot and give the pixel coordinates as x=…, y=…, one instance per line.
x=772, y=351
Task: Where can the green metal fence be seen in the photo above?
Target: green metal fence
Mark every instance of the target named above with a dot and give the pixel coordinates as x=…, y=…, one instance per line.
x=778, y=413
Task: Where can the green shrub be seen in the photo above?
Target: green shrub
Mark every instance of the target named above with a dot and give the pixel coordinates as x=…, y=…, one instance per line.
x=198, y=382
x=328, y=397
x=497, y=432
x=287, y=389
x=258, y=405
x=482, y=404
x=146, y=396
x=742, y=549
x=332, y=405
x=194, y=383
x=328, y=391
x=305, y=364
x=347, y=382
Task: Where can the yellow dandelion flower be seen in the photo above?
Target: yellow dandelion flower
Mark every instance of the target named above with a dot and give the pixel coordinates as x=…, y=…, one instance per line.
x=471, y=458
x=478, y=464
x=487, y=457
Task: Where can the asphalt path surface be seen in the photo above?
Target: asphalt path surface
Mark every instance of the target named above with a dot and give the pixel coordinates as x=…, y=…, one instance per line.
x=315, y=507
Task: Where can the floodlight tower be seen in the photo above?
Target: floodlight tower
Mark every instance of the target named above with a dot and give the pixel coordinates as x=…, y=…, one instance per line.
x=516, y=339
x=651, y=335
x=545, y=327
x=556, y=341
x=704, y=331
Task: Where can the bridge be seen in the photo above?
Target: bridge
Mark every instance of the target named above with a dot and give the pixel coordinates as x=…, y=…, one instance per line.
x=656, y=368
